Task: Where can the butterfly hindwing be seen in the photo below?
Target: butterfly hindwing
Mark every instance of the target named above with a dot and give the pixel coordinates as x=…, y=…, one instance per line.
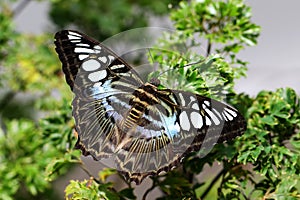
x=144, y=129
x=184, y=122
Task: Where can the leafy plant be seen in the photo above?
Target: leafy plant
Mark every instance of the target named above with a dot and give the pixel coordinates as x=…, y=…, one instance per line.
x=106, y=19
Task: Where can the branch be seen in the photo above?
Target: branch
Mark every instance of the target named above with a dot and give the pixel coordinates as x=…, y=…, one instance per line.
x=149, y=190
x=83, y=167
x=20, y=7
x=6, y=100
x=212, y=183
x=125, y=181
x=208, y=50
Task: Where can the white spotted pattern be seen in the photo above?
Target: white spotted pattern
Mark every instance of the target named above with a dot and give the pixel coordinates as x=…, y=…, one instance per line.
x=111, y=58
x=213, y=116
x=98, y=84
x=177, y=127
x=97, y=47
x=192, y=98
x=207, y=121
x=83, y=56
x=83, y=50
x=91, y=65
x=73, y=33
x=103, y=59
x=72, y=37
x=184, y=121
x=196, y=120
x=83, y=45
x=117, y=66
x=228, y=116
x=97, y=76
x=76, y=41
x=195, y=106
x=207, y=103
x=226, y=119
x=96, y=51
x=181, y=99
x=234, y=114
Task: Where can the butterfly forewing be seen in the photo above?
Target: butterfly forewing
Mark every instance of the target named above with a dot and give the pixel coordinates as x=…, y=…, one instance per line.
x=144, y=129
x=102, y=83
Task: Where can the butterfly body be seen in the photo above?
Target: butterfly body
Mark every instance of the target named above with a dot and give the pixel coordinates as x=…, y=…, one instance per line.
x=144, y=129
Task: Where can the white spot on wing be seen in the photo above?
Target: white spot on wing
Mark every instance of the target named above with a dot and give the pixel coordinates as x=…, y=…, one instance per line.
x=103, y=59
x=73, y=33
x=207, y=121
x=98, y=84
x=228, y=115
x=184, y=121
x=197, y=120
x=195, y=106
x=97, y=76
x=76, y=40
x=72, y=37
x=91, y=65
x=213, y=116
x=96, y=51
x=171, y=128
x=117, y=66
x=83, y=50
x=83, y=45
x=111, y=58
x=181, y=99
x=177, y=128
x=224, y=116
x=207, y=103
x=83, y=56
x=97, y=47
x=233, y=113
x=192, y=98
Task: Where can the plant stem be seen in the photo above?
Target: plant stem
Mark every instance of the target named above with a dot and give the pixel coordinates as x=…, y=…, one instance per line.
x=149, y=190
x=208, y=50
x=212, y=183
x=20, y=7
x=125, y=181
x=83, y=167
x=5, y=101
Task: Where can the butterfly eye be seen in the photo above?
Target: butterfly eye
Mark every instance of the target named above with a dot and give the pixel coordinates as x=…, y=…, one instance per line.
x=144, y=127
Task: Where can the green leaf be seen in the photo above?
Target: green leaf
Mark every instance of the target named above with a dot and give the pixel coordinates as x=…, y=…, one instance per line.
x=268, y=120
x=105, y=173
x=127, y=193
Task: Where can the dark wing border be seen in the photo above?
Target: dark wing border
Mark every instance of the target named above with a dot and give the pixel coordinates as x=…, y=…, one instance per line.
x=71, y=63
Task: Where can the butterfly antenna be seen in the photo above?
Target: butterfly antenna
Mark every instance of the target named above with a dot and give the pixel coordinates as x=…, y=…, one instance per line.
x=150, y=55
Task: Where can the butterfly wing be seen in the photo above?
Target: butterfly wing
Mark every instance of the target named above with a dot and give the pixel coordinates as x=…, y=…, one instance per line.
x=103, y=85
x=178, y=123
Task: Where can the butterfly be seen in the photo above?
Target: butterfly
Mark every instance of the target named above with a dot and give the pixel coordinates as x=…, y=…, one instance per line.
x=144, y=129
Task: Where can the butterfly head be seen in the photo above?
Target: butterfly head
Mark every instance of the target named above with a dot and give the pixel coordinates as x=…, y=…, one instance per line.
x=155, y=81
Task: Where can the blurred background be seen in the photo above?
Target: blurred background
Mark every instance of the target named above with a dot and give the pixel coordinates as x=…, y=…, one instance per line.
x=273, y=63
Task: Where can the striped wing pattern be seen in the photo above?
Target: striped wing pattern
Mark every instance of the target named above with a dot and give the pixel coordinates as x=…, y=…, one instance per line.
x=143, y=129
